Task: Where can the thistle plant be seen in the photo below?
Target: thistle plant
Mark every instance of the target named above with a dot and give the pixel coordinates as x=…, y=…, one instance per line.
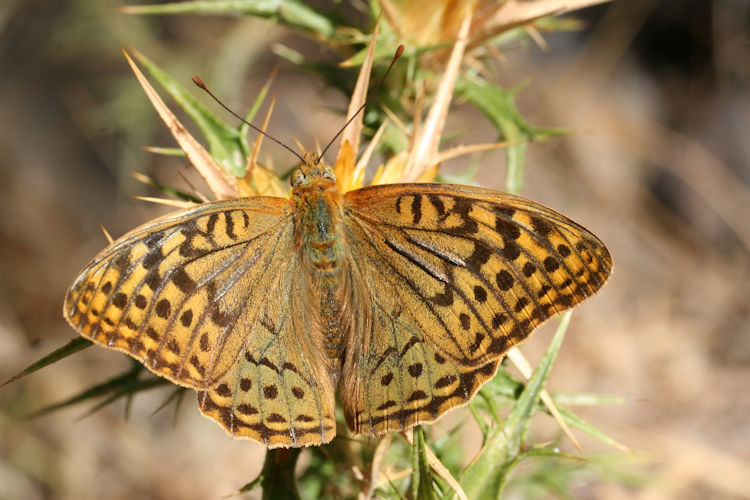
x=449, y=47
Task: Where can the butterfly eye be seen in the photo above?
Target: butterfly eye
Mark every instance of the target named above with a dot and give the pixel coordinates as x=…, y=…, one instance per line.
x=297, y=178
x=328, y=174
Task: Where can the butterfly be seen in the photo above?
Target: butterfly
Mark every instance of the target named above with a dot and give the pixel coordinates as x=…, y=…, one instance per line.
x=404, y=297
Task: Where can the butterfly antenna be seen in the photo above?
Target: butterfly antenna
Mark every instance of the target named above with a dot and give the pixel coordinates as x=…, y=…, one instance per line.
x=399, y=51
x=202, y=85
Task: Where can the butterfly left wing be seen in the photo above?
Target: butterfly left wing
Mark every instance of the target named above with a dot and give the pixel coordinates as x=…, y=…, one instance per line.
x=279, y=393
x=454, y=276
x=205, y=297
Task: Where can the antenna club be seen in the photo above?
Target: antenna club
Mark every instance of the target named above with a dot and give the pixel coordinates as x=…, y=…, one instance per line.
x=399, y=50
x=199, y=82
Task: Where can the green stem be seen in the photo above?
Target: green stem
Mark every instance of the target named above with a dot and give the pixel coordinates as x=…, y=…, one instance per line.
x=277, y=478
x=514, y=160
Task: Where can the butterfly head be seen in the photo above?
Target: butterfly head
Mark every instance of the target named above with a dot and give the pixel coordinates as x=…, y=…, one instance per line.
x=312, y=174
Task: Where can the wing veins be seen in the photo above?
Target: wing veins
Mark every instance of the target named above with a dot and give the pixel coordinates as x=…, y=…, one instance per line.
x=120, y=279
x=544, y=242
x=460, y=263
x=290, y=404
x=484, y=281
x=563, y=227
x=201, y=319
x=540, y=268
x=218, y=346
x=399, y=378
x=175, y=229
x=410, y=283
x=152, y=304
x=211, y=277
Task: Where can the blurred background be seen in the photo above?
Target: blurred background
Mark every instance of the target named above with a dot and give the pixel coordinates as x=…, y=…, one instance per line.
x=658, y=167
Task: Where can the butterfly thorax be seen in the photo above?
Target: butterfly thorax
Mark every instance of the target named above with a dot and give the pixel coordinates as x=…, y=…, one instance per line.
x=319, y=236
x=317, y=210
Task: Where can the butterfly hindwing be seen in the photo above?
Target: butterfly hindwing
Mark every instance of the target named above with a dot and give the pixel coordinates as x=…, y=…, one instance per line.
x=394, y=377
x=456, y=275
x=279, y=393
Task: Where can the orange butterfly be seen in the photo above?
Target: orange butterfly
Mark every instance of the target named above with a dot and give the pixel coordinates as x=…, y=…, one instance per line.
x=405, y=296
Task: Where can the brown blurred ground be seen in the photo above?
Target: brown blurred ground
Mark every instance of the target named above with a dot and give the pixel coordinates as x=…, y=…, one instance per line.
x=659, y=169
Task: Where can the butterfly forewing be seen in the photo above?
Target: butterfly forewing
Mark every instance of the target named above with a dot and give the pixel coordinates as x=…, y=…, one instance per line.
x=457, y=275
x=171, y=293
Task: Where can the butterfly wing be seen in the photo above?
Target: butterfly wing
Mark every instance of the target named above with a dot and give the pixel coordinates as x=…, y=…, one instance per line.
x=455, y=276
x=280, y=393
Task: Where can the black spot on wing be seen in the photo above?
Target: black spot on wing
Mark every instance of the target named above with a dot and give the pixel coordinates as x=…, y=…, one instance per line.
x=183, y=281
x=507, y=229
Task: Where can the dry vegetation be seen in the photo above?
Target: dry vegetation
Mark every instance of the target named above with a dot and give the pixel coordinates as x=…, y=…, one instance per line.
x=658, y=166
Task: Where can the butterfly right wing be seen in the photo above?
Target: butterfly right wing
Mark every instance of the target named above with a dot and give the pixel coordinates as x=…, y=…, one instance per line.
x=452, y=277
x=172, y=292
